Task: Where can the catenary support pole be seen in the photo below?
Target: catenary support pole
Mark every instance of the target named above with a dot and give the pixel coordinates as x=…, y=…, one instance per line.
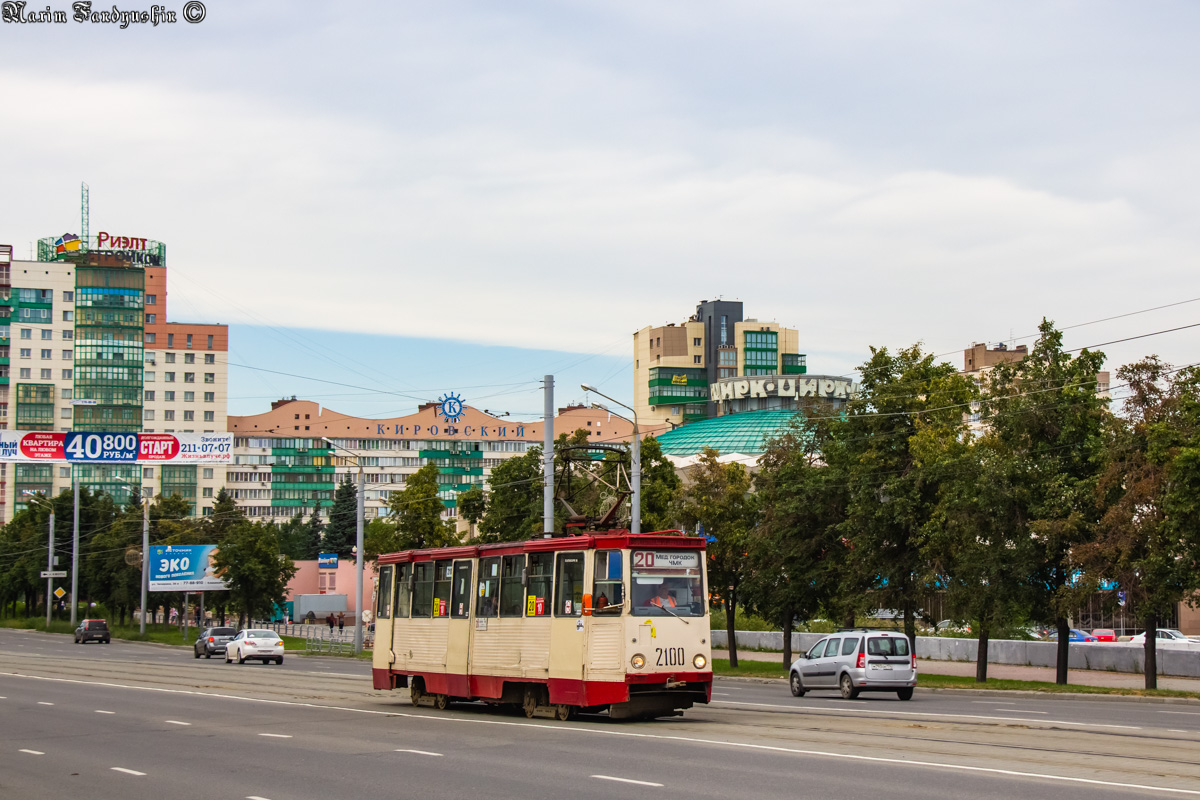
x=75, y=555
x=358, y=567
x=548, y=458
x=50, y=567
x=635, y=502
x=145, y=560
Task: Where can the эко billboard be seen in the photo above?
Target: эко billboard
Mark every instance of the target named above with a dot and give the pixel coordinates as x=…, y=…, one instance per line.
x=184, y=568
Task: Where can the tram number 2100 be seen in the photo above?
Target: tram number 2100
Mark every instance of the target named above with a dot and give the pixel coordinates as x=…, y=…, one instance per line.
x=669, y=656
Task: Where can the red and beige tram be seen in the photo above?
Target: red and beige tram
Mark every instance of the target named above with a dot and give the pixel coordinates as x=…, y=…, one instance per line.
x=605, y=621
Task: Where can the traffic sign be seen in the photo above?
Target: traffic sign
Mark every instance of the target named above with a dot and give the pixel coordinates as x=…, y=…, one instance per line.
x=54, y=573
x=59, y=593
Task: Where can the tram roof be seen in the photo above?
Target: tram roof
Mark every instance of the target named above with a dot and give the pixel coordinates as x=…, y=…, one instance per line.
x=609, y=540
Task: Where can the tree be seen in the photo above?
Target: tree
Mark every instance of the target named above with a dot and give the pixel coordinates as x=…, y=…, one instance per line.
x=796, y=557
x=417, y=512
x=225, y=516
x=514, y=499
x=890, y=496
x=256, y=573
x=293, y=537
x=341, y=534
x=660, y=487
x=472, y=505
x=719, y=501
x=380, y=537
x=1045, y=411
x=1148, y=539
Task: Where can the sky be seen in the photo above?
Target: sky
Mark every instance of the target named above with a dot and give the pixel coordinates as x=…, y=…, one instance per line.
x=396, y=200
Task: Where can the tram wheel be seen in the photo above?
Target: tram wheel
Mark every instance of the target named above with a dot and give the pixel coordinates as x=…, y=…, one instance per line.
x=563, y=712
x=416, y=692
x=440, y=701
x=530, y=704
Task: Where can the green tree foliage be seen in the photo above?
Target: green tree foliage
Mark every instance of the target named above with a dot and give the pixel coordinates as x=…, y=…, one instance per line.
x=341, y=534
x=1045, y=411
x=890, y=496
x=293, y=538
x=514, y=500
x=257, y=573
x=718, y=498
x=417, y=510
x=1148, y=539
x=660, y=487
x=379, y=537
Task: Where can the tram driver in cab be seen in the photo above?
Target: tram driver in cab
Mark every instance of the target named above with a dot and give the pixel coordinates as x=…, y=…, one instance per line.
x=663, y=597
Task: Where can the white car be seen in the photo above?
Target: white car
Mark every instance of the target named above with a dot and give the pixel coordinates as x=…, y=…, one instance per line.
x=253, y=644
x=1164, y=635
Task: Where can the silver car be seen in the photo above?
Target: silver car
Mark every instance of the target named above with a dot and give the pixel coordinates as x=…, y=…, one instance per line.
x=212, y=641
x=855, y=661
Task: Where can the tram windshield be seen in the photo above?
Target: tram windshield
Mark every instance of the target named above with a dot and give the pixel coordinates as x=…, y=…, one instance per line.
x=667, y=583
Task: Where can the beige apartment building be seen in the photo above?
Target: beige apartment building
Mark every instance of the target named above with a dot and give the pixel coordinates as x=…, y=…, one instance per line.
x=85, y=345
x=675, y=364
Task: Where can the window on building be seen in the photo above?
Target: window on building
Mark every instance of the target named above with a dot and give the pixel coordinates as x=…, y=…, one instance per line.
x=210, y=397
x=149, y=396
x=148, y=414
x=169, y=397
x=169, y=377
x=47, y=353
x=169, y=358
x=210, y=377
x=207, y=491
x=168, y=415
x=150, y=340
x=170, y=340
x=68, y=355
x=189, y=416
x=68, y=316
x=65, y=413
x=151, y=319
x=210, y=416
x=64, y=472
x=67, y=393
x=147, y=473
x=68, y=334
x=210, y=358
x=189, y=377
x=26, y=352
x=68, y=374
x=696, y=359
x=207, y=474
x=148, y=377
x=189, y=397
x=47, y=333
x=189, y=358
x=26, y=333
x=210, y=344
x=26, y=373
x=189, y=341
x=46, y=375
x=151, y=299
x=696, y=341
x=151, y=358
x=724, y=329
x=68, y=296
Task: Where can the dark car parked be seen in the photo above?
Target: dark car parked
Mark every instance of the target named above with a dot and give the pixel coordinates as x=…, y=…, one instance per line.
x=212, y=642
x=93, y=630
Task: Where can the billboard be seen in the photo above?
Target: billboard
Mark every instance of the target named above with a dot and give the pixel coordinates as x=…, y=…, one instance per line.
x=327, y=560
x=184, y=568
x=88, y=447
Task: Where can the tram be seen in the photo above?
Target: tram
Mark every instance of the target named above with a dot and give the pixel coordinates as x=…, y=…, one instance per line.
x=606, y=621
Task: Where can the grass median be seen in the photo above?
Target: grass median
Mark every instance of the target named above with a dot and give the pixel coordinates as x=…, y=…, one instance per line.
x=771, y=669
x=154, y=632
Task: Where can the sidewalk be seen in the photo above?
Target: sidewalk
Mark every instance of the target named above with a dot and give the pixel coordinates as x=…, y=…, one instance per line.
x=1077, y=677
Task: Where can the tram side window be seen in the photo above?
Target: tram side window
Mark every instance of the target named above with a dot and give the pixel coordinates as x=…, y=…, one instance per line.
x=541, y=583
x=512, y=592
x=441, y=588
x=608, y=593
x=460, y=598
x=385, y=592
x=489, y=587
x=422, y=599
x=568, y=590
x=403, y=593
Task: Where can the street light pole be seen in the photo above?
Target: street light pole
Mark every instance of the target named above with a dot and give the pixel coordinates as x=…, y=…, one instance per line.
x=358, y=560
x=145, y=560
x=75, y=555
x=50, y=567
x=635, y=501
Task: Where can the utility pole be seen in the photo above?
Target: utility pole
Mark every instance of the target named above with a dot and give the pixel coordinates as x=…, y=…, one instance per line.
x=145, y=560
x=50, y=567
x=358, y=565
x=548, y=458
x=75, y=552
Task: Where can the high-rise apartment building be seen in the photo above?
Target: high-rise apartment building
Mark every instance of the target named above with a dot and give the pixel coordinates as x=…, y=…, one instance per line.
x=83, y=332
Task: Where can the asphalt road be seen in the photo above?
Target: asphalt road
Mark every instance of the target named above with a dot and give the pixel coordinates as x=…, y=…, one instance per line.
x=140, y=721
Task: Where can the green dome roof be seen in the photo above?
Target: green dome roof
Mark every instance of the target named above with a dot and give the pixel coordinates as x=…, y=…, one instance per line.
x=733, y=433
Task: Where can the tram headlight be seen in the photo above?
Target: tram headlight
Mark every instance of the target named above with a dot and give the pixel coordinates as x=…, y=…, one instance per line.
x=638, y=661
x=699, y=662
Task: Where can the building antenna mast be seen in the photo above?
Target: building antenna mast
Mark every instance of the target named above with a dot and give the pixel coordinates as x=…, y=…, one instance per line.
x=84, y=213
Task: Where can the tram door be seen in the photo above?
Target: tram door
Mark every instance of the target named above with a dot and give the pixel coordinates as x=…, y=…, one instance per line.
x=459, y=635
x=567, y=635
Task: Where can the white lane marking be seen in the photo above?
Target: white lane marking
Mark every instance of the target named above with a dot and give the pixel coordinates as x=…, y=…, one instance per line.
x=32, y=752
x=126, y=771
x=720, y=694
x=1177, y=730
x=44, y=703
x=98, y=711
x=990, y=703
x=419, y=752
x=176, y=722
x=630, y=734
x=1021, y=711
x=1188, y=713
x=277, y=735
x=625, y=780
x=827, y=709
x=255, y=797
